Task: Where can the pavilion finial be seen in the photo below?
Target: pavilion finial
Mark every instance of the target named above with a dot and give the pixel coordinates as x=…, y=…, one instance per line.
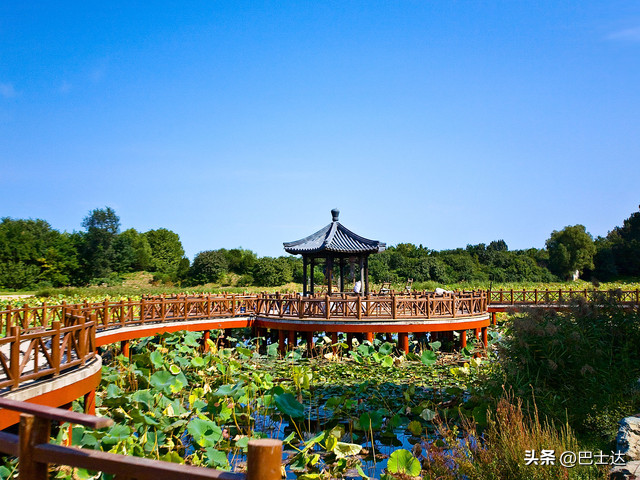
x=335, y=213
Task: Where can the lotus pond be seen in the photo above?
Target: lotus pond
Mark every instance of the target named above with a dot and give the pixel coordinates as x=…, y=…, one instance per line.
x=364, y=412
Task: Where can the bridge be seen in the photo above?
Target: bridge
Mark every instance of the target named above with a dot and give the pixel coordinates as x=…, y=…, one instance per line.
x=48, y=353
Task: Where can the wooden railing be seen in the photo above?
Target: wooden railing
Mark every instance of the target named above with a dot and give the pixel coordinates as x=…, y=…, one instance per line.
x=46, y=340
x=29, y=354
x=344, y=307
x=35, y=453
x=561, y=297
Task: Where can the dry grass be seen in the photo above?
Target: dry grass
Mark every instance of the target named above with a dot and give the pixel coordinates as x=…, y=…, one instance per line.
x=499, y=452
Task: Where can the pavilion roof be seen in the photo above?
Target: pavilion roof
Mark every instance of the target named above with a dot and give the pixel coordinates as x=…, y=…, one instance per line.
x=335, y=238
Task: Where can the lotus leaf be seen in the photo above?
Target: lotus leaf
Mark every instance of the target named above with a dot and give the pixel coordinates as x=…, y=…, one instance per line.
x=402, y=461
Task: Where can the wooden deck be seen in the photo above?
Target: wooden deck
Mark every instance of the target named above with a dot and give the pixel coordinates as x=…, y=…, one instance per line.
x=39, y=344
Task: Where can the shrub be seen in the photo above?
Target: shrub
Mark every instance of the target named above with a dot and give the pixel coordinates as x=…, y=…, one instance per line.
x=580, y=365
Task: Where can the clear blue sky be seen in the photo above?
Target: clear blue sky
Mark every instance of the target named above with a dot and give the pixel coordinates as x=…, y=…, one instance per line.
x=243, y=123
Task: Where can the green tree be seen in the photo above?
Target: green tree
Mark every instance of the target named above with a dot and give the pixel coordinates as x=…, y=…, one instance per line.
x=33, y=253
x=132, y=251
x=271, y=272
x=98, y=253
x=208, y=267
x=166, y=250
x=625, y=245
x=570, y=249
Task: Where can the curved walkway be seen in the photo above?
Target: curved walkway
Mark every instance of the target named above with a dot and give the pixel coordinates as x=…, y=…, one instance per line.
x=48, y=353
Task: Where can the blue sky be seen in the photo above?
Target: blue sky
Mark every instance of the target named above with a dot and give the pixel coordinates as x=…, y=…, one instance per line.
x=244, y=123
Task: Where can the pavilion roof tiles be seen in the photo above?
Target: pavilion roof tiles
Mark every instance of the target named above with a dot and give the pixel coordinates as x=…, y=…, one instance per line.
x=335, y=238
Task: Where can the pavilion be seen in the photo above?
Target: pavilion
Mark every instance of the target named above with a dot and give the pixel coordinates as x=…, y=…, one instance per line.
x=331, y=243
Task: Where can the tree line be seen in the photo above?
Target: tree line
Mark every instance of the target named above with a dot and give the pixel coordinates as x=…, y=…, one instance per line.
x=33, y=254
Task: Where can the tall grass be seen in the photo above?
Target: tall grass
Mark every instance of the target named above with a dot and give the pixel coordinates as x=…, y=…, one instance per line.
x=581, y=366
x=499, y=452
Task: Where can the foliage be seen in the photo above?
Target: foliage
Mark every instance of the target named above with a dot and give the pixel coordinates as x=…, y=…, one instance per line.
x=98, y=253
x=570, y=249
x=619, y=252
x=270, y=272
x=133, y=252
x=32, y=253
x=166, y=250
x=582, y=365
x=208, y=267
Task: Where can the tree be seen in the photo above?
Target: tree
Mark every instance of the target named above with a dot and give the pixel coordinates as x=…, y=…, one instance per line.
x=571, y=249
x=208, y=267
x=33, y=253
x=271, y=272
x=98, y=253
x=166, y=250
x=132, y=251
x=625, y=245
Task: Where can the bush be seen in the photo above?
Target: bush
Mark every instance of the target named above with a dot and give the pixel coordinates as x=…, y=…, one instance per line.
x=580, y=365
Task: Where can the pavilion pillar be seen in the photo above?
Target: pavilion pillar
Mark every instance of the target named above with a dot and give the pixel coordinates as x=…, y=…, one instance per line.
x=341, y=274
x=485, y=337
x=362, y=286
x=463, y=339
x=313, y=269
x=304, y=276
x=366, y=275
x=329, y=274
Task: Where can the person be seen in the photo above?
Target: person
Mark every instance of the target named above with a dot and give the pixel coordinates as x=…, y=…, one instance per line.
x=357, y=287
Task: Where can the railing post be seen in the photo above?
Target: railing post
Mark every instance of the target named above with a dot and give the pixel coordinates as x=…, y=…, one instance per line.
x=25, y=317
x=44, y=314
x=55, y=347
x=91, y=338
x=327, y=307
x=394, y=305
x=359, y=306
x=300, y=308
x=186, y=307
x=637, y=296
x=82, y=339
x=559, y=295
x=14, y=366
x=512, y=299
x=233, y=305
x=142, y=304
x=63, y=313
x=122, y=319
x=535, y=296
x=264, y=458
x=105, y=313
x=454, y=307
x=33, y=431
x=163, y=308
x=9, y=321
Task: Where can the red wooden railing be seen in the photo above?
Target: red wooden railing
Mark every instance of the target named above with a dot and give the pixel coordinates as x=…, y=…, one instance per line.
x=46, y=340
